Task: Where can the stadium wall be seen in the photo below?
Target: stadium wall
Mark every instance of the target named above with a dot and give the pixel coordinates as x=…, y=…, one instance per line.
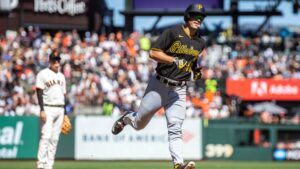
x=91, y=139
x=94, y=141
x=240, y=139
x=19, y=137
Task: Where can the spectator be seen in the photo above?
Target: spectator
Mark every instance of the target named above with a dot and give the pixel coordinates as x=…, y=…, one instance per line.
x=100, y=64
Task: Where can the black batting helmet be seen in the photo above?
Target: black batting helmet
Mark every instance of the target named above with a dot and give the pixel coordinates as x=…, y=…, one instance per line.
x=194, y=8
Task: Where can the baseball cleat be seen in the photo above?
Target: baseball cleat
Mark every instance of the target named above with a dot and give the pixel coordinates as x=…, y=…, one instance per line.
x=189, y=165
x=119, y=124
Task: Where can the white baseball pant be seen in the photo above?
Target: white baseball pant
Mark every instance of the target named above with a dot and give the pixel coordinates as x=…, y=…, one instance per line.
x=50, y=131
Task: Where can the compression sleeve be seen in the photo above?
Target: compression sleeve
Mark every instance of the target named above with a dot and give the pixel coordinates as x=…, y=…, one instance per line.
x=40, y=98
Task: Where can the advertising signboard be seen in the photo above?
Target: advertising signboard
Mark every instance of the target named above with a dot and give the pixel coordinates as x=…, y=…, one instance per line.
x=93, y=140
x=286, y=154
x=264, y=89
x=8, y=5
x=18, y=137
x=70, y=7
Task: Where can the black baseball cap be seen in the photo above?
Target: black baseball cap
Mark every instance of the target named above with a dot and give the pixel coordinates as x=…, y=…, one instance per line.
x=55, y=56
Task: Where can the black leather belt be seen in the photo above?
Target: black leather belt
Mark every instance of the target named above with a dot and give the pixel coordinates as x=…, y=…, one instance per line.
x=49, y=105
x=169, y=82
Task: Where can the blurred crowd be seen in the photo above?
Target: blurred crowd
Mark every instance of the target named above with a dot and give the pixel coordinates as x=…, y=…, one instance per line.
x=109, y=73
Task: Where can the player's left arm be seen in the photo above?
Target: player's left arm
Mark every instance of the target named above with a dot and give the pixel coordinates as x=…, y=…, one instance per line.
x=197, y=68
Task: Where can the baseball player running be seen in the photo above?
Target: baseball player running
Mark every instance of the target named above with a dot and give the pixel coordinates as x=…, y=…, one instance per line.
x=51, y=88
x=176, y=52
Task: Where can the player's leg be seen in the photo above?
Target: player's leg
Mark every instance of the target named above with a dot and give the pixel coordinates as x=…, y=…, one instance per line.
x=46, y=129
x=42, y=153
x=150, y=104
x=175, y=115
x=56, y=130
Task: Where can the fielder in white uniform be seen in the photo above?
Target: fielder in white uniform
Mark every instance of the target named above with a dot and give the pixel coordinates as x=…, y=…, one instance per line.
x=51, y=90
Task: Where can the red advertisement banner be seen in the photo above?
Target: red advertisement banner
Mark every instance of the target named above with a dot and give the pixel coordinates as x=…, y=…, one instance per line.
x=264, y=89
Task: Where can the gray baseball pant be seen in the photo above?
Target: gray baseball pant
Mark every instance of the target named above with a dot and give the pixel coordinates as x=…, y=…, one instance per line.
x=173, y=99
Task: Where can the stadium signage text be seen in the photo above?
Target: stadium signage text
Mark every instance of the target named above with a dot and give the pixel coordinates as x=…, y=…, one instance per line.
x=218, y=150
x=8, y=5
x=149, y=144
x=264, y=89
x=125, y=138
x=293, y=154
x=10, y=136
x=282, y=154
x=70, y=7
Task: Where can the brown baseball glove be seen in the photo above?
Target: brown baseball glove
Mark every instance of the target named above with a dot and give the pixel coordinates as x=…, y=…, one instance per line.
x=67, y=126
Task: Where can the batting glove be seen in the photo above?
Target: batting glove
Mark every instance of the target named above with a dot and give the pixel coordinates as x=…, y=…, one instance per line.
x=180, y=63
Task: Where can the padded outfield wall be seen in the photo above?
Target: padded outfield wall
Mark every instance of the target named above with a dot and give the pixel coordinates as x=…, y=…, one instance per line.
x=91, y=139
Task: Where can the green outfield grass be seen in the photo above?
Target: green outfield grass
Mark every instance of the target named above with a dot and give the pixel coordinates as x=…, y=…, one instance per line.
x=150, y=165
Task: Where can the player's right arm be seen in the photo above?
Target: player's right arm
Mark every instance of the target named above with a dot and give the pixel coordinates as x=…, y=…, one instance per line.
x=39, y=91
x=161, y=57
x=41, y=103
x=157, y=51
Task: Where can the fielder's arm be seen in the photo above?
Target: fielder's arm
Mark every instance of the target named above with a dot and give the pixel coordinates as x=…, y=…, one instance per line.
x=39, y=93
x=41, y=103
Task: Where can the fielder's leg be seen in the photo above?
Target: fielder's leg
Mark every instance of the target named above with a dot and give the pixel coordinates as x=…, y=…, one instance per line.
x=46, y=128
x=42, y=153
x=51, y=153
x=56, y=130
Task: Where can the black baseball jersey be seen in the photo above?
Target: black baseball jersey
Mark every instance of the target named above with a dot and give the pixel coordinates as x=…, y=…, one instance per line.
x=177, y=43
